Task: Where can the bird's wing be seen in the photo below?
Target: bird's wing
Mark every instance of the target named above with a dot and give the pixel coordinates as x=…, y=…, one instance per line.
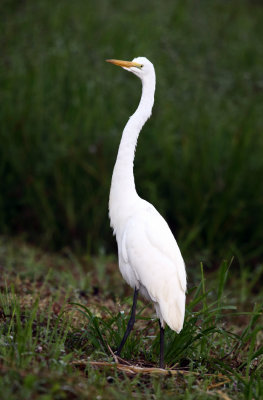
x=148, y=231
x=154, y=255
x=161, y=237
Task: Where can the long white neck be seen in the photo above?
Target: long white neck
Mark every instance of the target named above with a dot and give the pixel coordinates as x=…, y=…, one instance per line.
x=123, y=192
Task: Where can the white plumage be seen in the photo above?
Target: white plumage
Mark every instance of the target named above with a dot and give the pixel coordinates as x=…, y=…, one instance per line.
x=149, y=257
x=150, y=260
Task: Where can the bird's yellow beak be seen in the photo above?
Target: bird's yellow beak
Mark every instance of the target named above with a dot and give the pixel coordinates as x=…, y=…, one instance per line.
x=126, y=64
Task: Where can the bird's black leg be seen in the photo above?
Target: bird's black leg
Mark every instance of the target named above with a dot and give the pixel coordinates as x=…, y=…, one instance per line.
x=130, y=323
x=161, y=345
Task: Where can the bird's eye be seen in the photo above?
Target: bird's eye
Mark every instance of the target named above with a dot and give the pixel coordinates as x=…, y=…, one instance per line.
x=141, y=65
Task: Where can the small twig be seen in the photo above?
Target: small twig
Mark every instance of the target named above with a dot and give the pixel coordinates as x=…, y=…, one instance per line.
x=133, y=369
x=129, y=368
x=116, y=358
x=224, y=396
x=214, y=385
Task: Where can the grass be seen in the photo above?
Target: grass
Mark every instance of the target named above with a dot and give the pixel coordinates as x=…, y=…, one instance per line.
x=57, y=318
x=199, y=159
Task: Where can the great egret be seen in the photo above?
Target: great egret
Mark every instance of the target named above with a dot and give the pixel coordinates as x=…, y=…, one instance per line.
x=150, y=260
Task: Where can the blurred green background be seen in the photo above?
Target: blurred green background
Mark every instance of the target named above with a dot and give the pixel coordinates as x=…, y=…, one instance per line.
x=199, y=159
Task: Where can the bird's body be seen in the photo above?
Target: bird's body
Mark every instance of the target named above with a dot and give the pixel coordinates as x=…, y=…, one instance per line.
x=149, y=258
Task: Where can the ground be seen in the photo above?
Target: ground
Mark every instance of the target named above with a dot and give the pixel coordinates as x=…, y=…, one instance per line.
x=62, y=316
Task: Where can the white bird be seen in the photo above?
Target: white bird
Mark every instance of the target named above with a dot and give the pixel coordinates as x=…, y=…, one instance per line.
x=150, y=260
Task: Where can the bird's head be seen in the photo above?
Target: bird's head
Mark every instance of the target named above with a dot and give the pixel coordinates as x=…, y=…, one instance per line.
x=139, y=66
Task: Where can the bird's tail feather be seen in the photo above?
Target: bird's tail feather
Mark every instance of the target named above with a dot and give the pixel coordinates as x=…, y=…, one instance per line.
x=171, y=311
